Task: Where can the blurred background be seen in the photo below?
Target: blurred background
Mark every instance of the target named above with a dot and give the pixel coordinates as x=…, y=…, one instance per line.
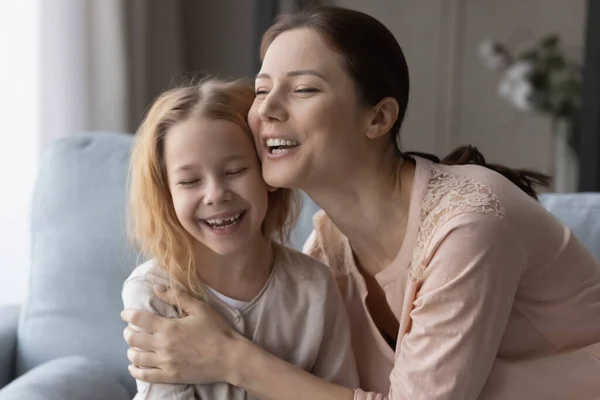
x=516, y=78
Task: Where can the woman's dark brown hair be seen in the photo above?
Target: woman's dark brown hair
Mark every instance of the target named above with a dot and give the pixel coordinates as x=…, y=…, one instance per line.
x=376, y=62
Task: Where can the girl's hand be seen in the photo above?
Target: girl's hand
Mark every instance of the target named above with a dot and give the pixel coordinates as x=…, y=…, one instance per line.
x=196, y=349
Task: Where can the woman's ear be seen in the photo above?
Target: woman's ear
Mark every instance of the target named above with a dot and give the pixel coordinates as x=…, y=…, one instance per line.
x=271, y=188
x=384, y=116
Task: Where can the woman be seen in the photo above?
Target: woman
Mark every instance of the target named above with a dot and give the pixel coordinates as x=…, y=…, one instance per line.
x=458, y=284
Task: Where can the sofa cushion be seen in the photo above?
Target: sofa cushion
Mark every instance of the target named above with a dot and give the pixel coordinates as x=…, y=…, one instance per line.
x=9, y=320
x=72, y=378
x=80, y=255
x=304, y=226
x=581, y=213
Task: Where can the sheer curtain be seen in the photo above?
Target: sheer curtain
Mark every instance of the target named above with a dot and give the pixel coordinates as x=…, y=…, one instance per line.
x=19, y=112
x=98, y=64
x=95, y=65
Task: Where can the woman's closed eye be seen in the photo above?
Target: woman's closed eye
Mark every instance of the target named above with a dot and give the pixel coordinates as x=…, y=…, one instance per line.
x=305, y=90
x=261, y=92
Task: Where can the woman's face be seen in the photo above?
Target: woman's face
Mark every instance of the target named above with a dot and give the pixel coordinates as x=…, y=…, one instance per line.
x=307, y=118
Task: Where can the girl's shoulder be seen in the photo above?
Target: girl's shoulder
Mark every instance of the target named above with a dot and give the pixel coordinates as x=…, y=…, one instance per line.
x=148, y=273
x=304, y=278
x=301, y=266
x=138, y=289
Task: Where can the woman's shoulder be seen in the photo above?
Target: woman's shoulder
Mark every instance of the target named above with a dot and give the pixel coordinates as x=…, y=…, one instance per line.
x=468, y=198
x=473, y=193
x=328, y=245
x=454, y=190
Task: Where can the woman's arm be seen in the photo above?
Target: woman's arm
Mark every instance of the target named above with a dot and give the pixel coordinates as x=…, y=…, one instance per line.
x=270, y=378
x=137, y=293
x=464, y=295
x=335, y=360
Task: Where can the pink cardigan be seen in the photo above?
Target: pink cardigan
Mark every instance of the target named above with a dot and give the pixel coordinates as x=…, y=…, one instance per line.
x=496, y=299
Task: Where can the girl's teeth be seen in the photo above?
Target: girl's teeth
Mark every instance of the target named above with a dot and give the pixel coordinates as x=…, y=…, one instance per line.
x=221, y=221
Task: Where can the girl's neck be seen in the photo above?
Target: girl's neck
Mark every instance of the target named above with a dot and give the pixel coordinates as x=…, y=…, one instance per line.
x=370, y=207
x=240, y=276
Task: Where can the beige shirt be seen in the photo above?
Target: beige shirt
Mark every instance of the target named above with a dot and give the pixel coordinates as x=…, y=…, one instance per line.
x=496, y=299
x=298, y=316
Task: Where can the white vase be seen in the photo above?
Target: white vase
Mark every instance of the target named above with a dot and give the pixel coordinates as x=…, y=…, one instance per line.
x=566, y=163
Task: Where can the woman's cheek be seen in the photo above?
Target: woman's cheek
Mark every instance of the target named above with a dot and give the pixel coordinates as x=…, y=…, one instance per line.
x=254, y=121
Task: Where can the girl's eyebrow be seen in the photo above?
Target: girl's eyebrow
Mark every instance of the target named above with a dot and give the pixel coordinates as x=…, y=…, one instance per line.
x=185, y=167
x=234, y=157
x=190, y=166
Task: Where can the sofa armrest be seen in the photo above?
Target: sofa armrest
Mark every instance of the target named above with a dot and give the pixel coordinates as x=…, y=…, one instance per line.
x=9, y=321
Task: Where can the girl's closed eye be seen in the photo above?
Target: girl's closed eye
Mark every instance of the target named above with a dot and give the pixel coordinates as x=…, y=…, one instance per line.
x=236, y=171
x=189, y=182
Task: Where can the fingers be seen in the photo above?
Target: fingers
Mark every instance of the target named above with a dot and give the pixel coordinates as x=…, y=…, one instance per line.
x=152, y=375
x=140, y=340
x=142, y=359
x=178, y=298
x=144, y=320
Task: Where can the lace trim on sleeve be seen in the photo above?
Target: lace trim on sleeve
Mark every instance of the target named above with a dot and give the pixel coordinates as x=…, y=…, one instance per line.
x=446, y=196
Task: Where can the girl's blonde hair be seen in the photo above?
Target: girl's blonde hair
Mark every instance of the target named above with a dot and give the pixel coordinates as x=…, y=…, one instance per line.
x=153, y=224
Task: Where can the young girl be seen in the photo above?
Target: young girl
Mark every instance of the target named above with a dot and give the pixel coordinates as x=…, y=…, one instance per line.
x=201, y=209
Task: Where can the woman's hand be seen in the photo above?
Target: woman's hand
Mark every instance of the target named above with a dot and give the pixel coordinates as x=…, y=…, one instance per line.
x=198, y=348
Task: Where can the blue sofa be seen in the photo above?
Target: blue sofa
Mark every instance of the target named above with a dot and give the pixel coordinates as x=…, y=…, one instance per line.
x=66, y=341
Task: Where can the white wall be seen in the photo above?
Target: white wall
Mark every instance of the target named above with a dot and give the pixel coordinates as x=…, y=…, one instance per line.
x=223, y=32
x=454, y=98
x=19, y=113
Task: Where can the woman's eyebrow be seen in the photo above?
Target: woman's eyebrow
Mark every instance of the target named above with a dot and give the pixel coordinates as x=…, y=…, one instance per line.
x=298, y=72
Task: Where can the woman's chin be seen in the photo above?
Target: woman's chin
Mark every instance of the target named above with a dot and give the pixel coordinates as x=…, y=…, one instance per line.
x=280, y=177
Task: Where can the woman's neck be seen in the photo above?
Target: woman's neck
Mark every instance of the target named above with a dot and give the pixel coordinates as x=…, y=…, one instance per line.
x=369, y=205
x=240, y=276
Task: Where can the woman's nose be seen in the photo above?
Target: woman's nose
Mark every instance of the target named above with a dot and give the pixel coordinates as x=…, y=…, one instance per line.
x=272, y=108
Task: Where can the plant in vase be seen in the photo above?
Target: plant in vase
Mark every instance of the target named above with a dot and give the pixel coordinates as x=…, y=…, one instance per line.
x=542, y=79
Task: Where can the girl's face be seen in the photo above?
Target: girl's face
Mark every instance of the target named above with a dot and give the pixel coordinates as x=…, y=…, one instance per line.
x=307, y=119
x=216, y=184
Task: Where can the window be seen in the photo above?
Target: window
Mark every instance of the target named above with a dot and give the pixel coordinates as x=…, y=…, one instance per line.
x=19, y=111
